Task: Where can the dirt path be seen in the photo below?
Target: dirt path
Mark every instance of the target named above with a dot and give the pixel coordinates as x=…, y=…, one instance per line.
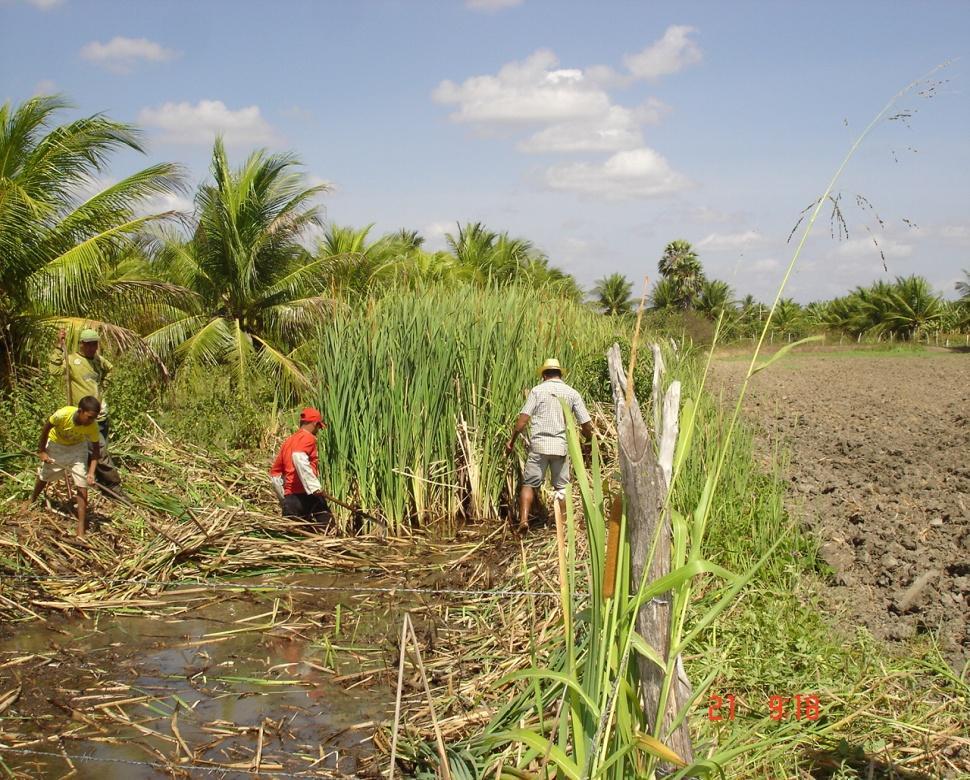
x=880, y=471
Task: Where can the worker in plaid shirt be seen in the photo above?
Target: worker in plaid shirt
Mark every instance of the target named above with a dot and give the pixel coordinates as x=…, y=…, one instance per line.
x=547, y=436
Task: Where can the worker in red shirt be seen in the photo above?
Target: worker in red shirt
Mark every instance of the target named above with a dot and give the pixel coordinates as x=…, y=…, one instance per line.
x=295, y=472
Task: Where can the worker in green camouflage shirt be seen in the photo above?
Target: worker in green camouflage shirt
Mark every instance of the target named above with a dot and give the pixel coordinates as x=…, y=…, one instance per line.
x=84, y=373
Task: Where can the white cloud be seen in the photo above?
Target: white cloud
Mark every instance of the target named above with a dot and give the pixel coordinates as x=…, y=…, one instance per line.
x=45, y=87
x=299, y=113
x=491, y=6
x=617, y=129
x=45, y=5
x=532, y=90
x=166, y=201
x=434, y=235
x=635, y=173
x=184, y=123
x=652, y=112
x=572, y=105
x=726, y=241
x=319, y=181
x=604, y=76
x=674, y=52
x=764, y=264
x=862, y=248
x=154, y=204
x=958, y=233
x=120, y=54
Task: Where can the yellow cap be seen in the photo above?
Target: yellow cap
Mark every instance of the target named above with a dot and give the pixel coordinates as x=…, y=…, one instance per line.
x=551, y=364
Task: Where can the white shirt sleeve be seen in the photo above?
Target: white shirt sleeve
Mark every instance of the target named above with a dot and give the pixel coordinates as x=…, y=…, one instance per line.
x=301, y=462
x=277, y=483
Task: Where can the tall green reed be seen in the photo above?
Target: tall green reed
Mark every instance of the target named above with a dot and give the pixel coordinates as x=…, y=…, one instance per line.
x=419, y=390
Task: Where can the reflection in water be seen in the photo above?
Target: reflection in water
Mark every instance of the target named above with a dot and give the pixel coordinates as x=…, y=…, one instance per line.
x=235, y=676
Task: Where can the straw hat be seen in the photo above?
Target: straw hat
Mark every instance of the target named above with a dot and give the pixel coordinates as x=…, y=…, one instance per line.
x=551, y=364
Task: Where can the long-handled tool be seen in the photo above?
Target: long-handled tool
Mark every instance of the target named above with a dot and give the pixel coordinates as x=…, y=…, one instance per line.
x=355, y=509
x=70, y=402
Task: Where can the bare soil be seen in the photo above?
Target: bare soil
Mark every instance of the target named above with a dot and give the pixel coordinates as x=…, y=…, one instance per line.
x=879, y=472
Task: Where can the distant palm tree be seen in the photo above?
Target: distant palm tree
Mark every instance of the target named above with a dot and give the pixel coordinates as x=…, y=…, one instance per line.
x=788, y=317
x=664, y=295
x=715, y=297
x=537, y=273
x=473, y=247
x=962, y=309
x=614, y=295
x=963, y=287
x=681, y=265
x=353, y=265
x=485, y=257
x=68, y=255
x=911, y=309
x=817, y=313
x=257, y=292
x=409, y=240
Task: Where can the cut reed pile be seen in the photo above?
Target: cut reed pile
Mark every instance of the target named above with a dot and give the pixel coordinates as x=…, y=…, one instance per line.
x=199, y=515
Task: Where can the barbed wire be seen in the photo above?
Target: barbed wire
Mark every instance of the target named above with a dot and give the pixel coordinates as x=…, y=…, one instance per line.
x=168, y=767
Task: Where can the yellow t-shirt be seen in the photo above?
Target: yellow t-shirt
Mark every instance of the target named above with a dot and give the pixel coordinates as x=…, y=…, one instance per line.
x=67, y=432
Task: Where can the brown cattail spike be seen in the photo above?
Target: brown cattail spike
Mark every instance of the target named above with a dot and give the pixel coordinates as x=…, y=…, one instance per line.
x=612, y=547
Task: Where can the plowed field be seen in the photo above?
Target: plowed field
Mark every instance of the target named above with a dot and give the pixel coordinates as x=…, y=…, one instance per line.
x=879, y=472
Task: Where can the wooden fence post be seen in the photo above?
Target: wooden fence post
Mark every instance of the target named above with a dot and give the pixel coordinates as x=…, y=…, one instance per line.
x=646, y=479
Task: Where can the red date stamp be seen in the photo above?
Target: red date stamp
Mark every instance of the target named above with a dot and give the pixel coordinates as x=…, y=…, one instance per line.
x=801, y=706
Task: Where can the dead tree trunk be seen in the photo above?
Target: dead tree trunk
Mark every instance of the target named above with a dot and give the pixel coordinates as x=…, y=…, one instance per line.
x=646, y=479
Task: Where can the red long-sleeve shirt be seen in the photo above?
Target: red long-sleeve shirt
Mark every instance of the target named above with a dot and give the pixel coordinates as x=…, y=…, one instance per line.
x=299, y=444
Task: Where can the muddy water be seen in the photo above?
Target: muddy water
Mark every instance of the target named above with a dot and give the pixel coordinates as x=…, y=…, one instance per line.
x=312, y=677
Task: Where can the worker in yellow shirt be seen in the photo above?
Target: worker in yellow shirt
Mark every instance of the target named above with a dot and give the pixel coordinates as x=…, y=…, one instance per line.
x=85, y=372
x=64, y=442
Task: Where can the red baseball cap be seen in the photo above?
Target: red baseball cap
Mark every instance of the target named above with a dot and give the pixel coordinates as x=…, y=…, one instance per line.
x=309, y=414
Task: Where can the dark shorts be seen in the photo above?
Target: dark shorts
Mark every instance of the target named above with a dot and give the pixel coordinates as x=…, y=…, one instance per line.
x=306, y=507
x=105, y=472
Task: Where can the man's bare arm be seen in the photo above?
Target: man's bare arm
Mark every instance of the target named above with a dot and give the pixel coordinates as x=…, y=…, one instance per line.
x=520, y=422
x=42, y=444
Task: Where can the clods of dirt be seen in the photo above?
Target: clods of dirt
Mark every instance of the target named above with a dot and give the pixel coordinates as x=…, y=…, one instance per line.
x=880, y=473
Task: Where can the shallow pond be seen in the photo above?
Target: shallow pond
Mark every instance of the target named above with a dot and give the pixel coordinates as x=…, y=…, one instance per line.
x=266, y=682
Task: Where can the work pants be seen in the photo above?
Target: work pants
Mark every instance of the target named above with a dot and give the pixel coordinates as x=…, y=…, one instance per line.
x=306, y=507
x=105, y=472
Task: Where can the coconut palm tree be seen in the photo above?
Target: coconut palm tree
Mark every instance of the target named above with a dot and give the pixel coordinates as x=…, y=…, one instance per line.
x=715, y=297
x=816, y=313
x=963, y=304
x=257, y=292
x=910, y=309
x=664, y=295
x=614, y=295
x=681, y=265
x=357, y=267
x=963, y=287
x=788, y=318
x=538, y=274
x=485, y=257
x=68, y=243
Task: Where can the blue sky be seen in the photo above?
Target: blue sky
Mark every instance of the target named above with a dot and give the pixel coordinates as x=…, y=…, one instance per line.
x=599, y=131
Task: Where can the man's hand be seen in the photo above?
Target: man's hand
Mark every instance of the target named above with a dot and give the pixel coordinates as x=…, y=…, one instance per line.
x=91, y=478
x=61, y=338
x=510, y=447
x=44, y=457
